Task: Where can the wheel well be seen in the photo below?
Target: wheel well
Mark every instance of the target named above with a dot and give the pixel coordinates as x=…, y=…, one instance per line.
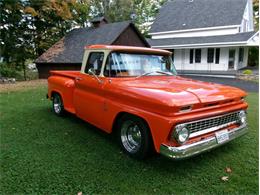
x=121, y=114
x=54, y=92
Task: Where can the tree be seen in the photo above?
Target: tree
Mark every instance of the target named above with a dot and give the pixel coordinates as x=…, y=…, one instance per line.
x=11, y=18
x=120, y=10
x=256, y=13
x=50, y=19
x=16, y=42
x=253, y=53
x=146, y=11
x=30, y=27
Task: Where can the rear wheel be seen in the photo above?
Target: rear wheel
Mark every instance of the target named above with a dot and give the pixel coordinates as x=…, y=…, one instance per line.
x=57, y=105
x=134, y=136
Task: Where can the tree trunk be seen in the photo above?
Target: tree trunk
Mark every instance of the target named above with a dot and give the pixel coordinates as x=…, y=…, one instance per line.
x=24, y=71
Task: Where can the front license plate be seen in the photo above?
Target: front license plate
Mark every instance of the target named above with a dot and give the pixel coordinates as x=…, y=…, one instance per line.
x=222, y=136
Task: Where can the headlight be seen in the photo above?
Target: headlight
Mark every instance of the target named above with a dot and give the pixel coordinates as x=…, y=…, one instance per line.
x=181, y=134
x=242, y=117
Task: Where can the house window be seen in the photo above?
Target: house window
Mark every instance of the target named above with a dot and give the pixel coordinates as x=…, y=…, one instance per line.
x=217, y=55
x=210, y=55
x=191, y=56
x=197, y=55
x=241, y=54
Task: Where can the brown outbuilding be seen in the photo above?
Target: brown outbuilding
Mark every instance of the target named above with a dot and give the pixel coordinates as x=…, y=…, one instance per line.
x=67, y=53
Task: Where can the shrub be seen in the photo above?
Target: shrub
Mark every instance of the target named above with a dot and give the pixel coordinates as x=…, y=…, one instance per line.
x=7, y=70
x=247, y=72
x=30, y=75
x=253, y=56
x=10, y=71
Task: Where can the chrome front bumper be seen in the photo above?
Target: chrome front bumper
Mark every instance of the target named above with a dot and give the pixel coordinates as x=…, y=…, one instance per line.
x=189, y=150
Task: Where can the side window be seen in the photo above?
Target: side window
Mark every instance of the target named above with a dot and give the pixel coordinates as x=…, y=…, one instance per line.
x=109, y=70
x=95, y=60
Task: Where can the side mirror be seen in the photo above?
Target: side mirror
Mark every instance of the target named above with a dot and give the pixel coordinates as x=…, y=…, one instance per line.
x=92, y=71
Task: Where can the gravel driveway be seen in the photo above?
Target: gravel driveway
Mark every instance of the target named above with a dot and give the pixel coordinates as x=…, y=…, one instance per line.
x=23, y=85
x=248, y=86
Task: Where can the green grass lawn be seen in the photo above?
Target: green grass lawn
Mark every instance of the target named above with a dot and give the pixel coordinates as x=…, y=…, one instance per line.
x=42, y=153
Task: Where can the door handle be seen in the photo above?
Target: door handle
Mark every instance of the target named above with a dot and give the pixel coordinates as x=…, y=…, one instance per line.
x=78, y=78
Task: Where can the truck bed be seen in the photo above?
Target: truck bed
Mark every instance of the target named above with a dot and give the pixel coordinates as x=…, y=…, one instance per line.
x=63, y=82
x=65, y=73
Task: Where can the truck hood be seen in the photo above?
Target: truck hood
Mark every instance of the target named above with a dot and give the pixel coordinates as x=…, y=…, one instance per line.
x=175, y=91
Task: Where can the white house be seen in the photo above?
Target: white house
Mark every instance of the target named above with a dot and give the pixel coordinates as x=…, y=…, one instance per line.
x=206, y=35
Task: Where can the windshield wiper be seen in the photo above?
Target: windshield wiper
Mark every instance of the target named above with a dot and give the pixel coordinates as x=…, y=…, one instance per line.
x=152, y=72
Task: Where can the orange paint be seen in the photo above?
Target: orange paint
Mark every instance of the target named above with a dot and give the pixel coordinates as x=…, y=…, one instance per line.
x=156, y=99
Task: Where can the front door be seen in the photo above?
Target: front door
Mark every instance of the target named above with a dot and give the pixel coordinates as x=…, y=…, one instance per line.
x=231, y=59
x=89, y=93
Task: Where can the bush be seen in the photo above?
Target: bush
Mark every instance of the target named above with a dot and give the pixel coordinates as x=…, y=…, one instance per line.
x=30, y=75
x=253, y=56
x=7, y=70
x=247, y=72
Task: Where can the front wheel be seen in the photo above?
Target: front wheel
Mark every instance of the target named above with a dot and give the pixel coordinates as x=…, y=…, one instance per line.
x=134, y=136
x=57, y=105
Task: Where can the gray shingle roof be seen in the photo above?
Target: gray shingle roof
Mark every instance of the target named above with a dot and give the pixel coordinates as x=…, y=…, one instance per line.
x=239, y=37
x=98, y=19
x=70, y=49
x=183, y=14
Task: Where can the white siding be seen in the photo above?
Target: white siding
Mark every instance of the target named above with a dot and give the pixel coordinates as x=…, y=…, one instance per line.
x=177, y=59
x=223, y=60
x=182, y=60
x=198, y=33
x=203, y=65
x=182, y=56
x=236, y=59
x=247, y=23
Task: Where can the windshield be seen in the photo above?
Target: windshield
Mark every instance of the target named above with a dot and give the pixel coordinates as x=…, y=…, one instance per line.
x=132, y=64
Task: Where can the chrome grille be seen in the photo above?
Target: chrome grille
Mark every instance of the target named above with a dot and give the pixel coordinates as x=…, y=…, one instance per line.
x=220, y=121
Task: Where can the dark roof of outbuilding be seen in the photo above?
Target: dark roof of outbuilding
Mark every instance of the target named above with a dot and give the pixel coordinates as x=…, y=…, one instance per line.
x=190, y=14
x=70, y=49
x=99, y=19
x=193, y=41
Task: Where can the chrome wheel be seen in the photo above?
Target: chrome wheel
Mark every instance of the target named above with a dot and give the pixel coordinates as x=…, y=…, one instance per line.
x=57, y=104
x=131, y=136
x=134, y=136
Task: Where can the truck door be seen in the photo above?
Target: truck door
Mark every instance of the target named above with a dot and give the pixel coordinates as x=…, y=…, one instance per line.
x=89, y=94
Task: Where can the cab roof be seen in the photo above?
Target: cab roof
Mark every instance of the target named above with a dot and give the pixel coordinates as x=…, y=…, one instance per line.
x=128, y=48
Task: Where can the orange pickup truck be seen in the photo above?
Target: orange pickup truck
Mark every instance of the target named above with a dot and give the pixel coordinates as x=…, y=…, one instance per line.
x=136, y=93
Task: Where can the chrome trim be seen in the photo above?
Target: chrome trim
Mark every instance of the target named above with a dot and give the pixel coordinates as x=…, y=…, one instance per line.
x=57, y=104
x=91, y=71
x=131, y=136
x=178, y=128
x=212, y=117
x=189, y=150
x=185, y=108
x=211, y=129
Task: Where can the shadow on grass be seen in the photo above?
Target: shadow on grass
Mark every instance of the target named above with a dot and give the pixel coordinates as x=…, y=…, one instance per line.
x=158, y=162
